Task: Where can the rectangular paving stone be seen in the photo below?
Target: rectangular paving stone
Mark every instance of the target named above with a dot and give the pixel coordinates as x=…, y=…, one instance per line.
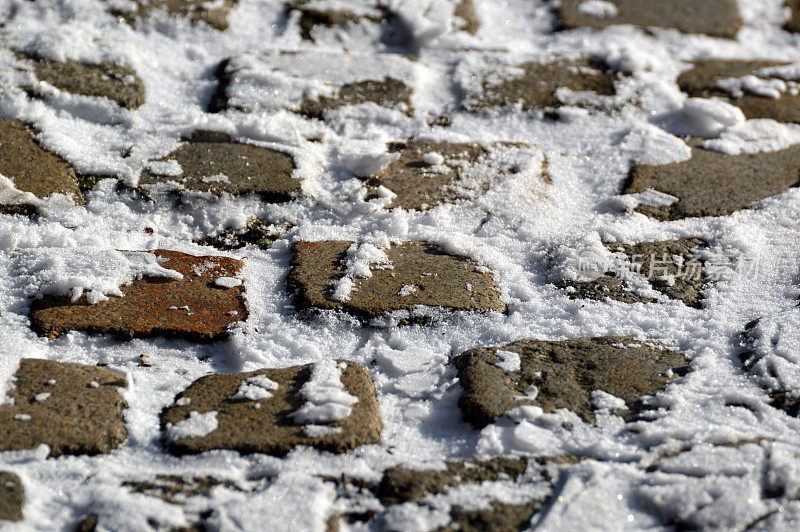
x=670, y=266
x=562, y=374
x=437, y=279
x=793, y=24
x=12, y=497
x=31, y=168
x=267, y=425
x=536, y=86
x=72, y=408
x=213, y=163
x=713, y=183
x=215, y=13
x=118, y=83
x=718, y=18
x=728, y=79
x=194, y=308
x=312, y=83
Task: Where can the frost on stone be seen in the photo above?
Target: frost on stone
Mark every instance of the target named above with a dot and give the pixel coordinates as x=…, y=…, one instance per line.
x=326, y=398
x=508, y=361
x=358, y=264
x=228, y=282
x=598, y=8
x=601, y=400
x=96, y=272
x=197, y=425
x=255, y=388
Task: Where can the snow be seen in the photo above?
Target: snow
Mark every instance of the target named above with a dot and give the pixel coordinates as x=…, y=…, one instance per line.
x=598, y=8
x=255, y=388
x=509, y=360
x=529, y=233
x=326, y=398
x=228, y=282
x=196, y=425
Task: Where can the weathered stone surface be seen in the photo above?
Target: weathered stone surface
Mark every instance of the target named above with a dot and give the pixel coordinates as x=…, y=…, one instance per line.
x=716, y=184
x=565, y=374
x=116, y=82
x=32, y=168
x=465, y=10
x=703, y=81
x=175, y=488
x=12, y=497
x=499, y=517
x=357, y=17
x=388, y=92
x=421, y=185
x=215, y=14
x=268, y=428
x=670, y=266
x=257, y=232
x=536, y=87
x=212, y=163
x=313, y=83
x=793, y=24
x=194, y=308
x=72, y=408
x=439, y=280
x=400, y=484
x=718, y=18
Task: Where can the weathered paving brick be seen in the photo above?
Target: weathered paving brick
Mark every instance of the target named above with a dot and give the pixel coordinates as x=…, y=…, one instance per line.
x=215, y=14
x=420, y=184
x=32, y=168
x=175, y=488
x=246, y=84
x=468, y=16
x=793, y=24
x=716, y=184
x=537, y=86
x=72, y=408
x=265, y=425
x=499, y=516
x=711, y=79
x=213, y=163
x=671, y=267
x=12, y=497
x=565, y=373
x=437, y=279
x=194, y=308
x=400, y=484
x=115, y=82
x=719, y=18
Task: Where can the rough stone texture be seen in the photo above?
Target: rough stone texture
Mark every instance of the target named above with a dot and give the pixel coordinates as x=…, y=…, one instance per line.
x=215, y=14
x=465, y=10
x=32, y=168
x=400, y=484
x=416, y=184
x=346, y=16
x=116, y=82
x=155, y=306
x=565, y=373
x=793, y=24
x=718, y=18
x=499, y=517
x=652, y=260
x=716, y=184
x=442, y=280
x=389, y=92
x=12, y=497
x=701, y=81
x=83, y=414
x=176, y=489
x=537, y=87
x=268, y=429
x=248, y=168
x=257, y=233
